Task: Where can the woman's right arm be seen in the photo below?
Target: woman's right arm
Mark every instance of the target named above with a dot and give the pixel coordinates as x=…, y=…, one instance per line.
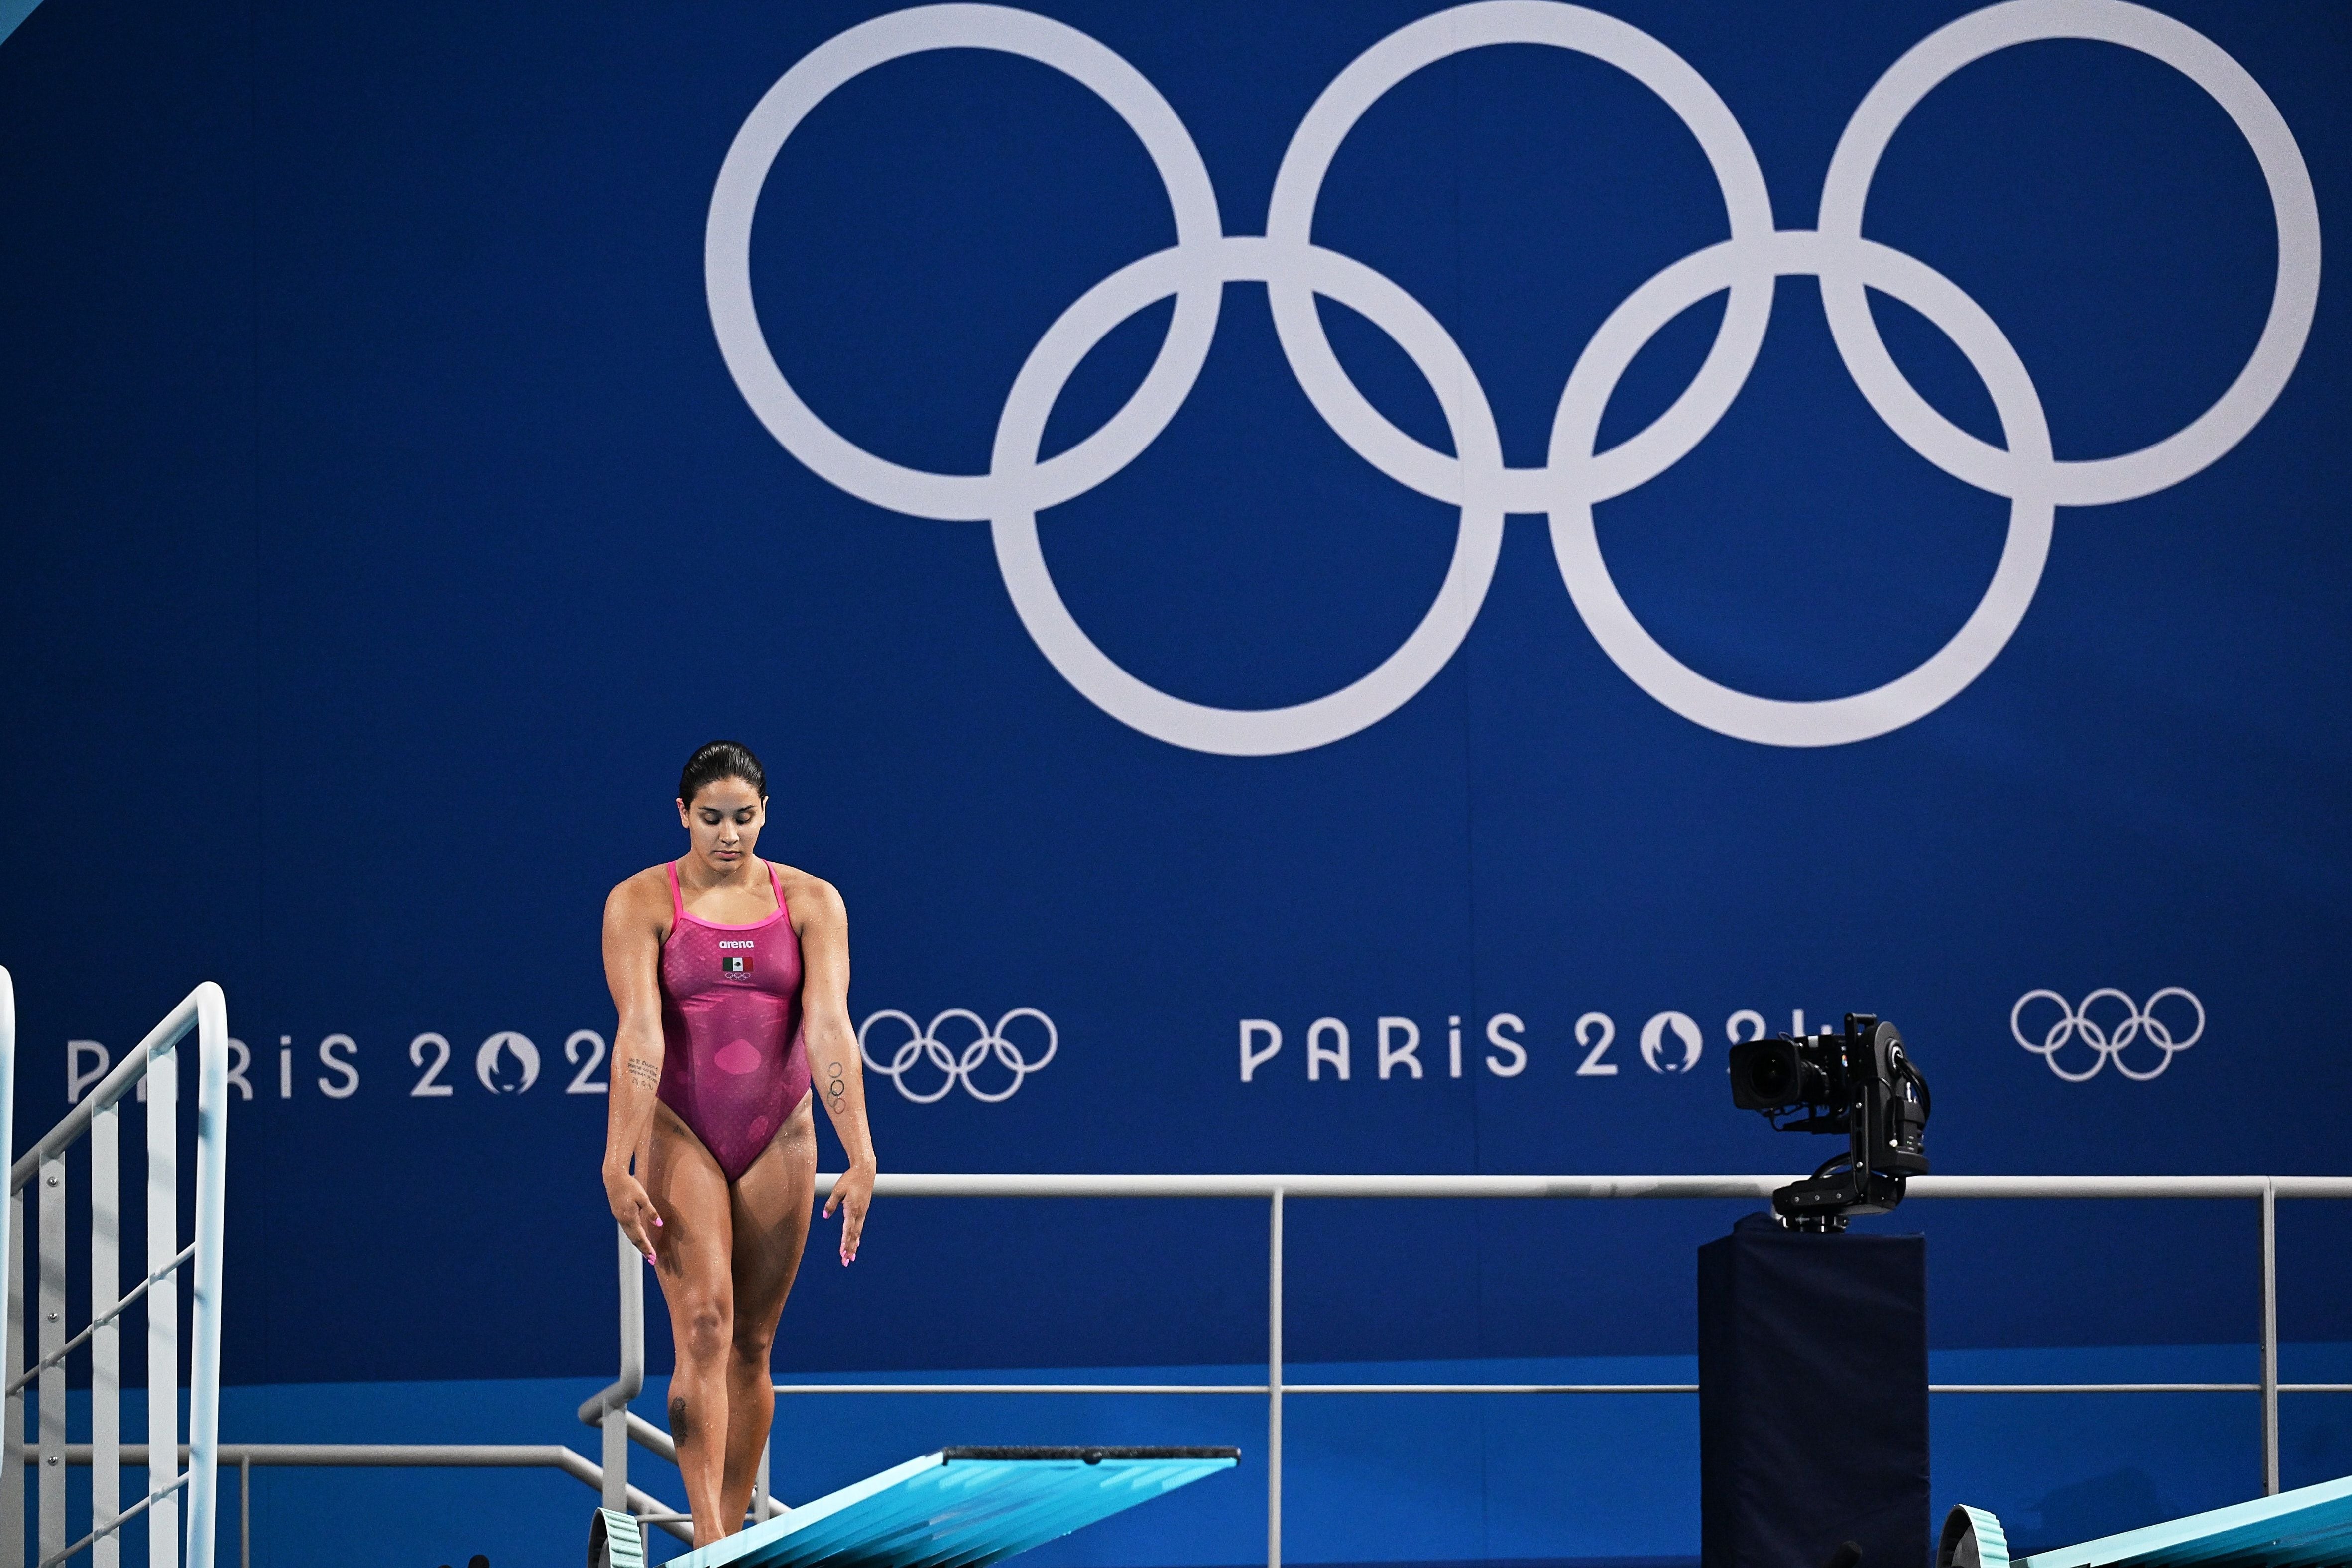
x=632, y=969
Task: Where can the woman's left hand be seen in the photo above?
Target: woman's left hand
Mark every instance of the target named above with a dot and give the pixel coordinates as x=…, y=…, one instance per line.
x=852, y=1191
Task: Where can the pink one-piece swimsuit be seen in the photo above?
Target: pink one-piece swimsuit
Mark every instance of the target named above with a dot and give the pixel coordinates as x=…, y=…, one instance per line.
x=734, y=1064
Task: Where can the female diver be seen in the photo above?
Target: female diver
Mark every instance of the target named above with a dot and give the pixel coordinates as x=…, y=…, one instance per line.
x=731, y=976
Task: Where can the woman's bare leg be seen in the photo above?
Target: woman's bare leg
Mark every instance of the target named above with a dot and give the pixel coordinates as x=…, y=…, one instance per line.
x=771, y=1221
x=692, y=1246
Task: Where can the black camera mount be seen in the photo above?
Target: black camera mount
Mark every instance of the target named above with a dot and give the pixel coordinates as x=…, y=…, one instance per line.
x=1859, y=1083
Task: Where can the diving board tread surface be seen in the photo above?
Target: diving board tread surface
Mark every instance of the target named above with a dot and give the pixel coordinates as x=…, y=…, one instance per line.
x=963, y=1507
x=2306, y=1528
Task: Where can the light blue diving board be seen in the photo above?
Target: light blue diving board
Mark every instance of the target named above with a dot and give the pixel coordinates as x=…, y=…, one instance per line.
x=2306, y=1528
x=958, y=1508
x=12, y=13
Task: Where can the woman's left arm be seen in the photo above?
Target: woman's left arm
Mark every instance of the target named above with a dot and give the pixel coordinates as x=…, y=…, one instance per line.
x=834, y=1058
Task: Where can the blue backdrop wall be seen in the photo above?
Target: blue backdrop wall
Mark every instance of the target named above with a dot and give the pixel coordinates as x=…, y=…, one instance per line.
x=420, y=427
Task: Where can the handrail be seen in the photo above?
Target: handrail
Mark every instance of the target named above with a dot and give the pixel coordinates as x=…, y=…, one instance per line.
x=10, y=1341
x=12, y=1253
x=609, y=1408
x=204, y=1290
x=412, y=1455
x=647, y=1434
x=1257, y=1388
x=118, y=1521
x=175, y=1522
x=58, y=1356
x=113, y=1087
x=933, y=1185
x=632, y=1381
x=1276, y=1188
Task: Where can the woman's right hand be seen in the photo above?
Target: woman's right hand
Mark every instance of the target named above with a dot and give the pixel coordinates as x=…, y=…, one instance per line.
x=633, y=1209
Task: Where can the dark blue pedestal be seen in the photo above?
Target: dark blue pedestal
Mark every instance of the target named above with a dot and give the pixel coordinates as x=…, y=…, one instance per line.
x=1813, y=1407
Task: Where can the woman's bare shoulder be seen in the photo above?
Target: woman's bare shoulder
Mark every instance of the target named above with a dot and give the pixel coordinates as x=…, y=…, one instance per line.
x=645, y=892
x=806, y=891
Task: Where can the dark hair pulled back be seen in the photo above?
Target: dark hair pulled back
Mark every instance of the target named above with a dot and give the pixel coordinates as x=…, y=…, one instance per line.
x=720, y=759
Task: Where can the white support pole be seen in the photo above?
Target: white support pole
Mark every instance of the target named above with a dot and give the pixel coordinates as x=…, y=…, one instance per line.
x=162, y=1309
x=760, y=1479
x=51, y=1305
x=12, y=1482
x=1274, y=1384
x=616, y=1431
x=205, y=1345
x=2269, y=1339
x=615, y=1420
x=12, y=1324
x=106, y=1338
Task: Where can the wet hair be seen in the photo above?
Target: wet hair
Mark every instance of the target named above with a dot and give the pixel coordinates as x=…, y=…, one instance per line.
x=720, y=759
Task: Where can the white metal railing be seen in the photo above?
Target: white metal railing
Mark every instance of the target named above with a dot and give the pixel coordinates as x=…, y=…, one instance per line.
x=387, y=1456
x=609, y=1408
x=12, y=1352
x=151, y=1072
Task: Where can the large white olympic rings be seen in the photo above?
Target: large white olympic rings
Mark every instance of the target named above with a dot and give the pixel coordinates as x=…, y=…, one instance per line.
x=1474, y=477
x=2107, y=1043
x=923, y=1045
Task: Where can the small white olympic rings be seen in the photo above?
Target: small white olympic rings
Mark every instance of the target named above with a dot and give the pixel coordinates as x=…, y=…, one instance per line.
x=1294, y=271
x=958, y=1066
x=2108, y=1040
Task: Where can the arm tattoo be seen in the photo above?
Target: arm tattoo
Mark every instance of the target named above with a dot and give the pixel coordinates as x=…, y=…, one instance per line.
x=835, y=1092
x=644, y=1073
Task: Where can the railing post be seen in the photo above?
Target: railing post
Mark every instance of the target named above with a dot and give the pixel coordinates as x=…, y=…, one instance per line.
x=12, y=1482
x=11, y=1325
x=633, y=1356
x=608, y=1410
x=163, y=1307
x=106, y=1339
x=12, y=1289
x=51, y=1305
x=2270, y=1338
x=1274, y=1384
x=204, y=1290
x=616, y=1427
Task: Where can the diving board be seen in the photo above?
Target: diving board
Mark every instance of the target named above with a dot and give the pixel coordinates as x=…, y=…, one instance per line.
x=960, y=1507
x=2306, y=1528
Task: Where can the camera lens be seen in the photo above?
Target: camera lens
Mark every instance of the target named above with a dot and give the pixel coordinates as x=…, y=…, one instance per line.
x=1766, y=1074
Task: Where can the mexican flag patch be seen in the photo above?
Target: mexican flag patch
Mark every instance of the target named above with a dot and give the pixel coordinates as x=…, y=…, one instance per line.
x=735, y=963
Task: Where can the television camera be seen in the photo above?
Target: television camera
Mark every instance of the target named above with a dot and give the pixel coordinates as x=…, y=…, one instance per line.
x=1860, y=1082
